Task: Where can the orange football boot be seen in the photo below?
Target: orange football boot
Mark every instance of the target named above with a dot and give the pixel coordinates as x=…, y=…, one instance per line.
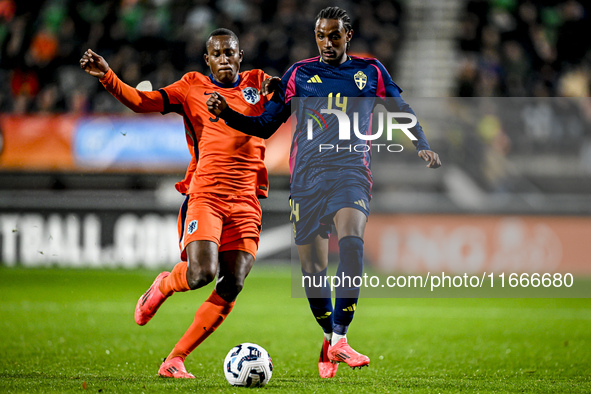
x=150, y=301
x=326, y=368
x=342, y=352
x=174, y=368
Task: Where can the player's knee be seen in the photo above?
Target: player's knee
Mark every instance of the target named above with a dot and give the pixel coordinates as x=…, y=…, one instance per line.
x=229, y=287
x=201, y=275
x=237, y=286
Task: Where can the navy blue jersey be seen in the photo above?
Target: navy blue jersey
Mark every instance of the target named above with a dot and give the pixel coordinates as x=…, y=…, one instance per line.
x=356, y=77
x=324, y=86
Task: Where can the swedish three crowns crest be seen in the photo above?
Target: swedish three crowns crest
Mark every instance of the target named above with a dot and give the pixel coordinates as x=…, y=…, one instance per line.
x=360, y=79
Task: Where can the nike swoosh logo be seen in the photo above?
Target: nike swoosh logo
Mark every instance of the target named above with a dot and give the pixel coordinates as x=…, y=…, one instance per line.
x=207, y=94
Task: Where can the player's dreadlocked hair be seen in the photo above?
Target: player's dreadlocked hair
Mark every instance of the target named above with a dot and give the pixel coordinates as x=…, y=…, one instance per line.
x=223, y=32
x=336, y=13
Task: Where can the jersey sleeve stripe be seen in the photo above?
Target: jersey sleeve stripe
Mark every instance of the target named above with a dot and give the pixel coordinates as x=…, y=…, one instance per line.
x=290, y=90
x=166, y=101
x=381, y=89
x=168, y=107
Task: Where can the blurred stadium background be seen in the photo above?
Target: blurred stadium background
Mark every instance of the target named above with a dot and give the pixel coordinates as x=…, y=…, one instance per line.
x=501, y=86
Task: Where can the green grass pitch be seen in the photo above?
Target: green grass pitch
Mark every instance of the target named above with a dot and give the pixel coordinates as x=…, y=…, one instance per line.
x=73, y=331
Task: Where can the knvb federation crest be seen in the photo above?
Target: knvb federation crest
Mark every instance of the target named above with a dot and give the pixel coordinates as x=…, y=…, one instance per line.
x=251, y=95
x=192, y=226
x=360, y=79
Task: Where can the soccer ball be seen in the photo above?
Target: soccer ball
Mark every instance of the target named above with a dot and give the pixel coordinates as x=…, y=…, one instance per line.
x=248, y=365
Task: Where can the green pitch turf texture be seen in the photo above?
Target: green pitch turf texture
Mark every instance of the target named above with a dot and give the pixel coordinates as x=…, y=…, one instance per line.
x=73, y=331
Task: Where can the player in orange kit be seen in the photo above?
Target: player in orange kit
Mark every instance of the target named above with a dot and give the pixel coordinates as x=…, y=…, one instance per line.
x=220, y=220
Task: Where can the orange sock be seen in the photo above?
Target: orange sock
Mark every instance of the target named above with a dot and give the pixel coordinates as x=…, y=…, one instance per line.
x=209, y=316
x=176, y=281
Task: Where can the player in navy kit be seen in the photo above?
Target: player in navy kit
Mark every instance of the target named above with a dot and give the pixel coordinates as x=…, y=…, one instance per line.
x=329, y=185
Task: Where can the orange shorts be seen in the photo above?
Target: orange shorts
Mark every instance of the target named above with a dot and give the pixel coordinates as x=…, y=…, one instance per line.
x=232, y=222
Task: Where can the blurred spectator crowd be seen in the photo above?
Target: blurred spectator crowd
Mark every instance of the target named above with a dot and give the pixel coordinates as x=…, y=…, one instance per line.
x=526, y=48
x=508, y=47
x=41, y=43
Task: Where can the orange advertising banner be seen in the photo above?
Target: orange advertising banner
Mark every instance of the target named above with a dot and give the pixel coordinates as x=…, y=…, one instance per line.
x=57, y=142
x=475, y=244
x=37, y=142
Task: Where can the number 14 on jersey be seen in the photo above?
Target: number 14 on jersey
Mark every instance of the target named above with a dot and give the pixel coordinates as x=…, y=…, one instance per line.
x=339, y=102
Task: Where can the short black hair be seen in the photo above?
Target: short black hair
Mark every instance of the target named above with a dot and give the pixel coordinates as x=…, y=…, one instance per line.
x=223, y=32
x=336, y=13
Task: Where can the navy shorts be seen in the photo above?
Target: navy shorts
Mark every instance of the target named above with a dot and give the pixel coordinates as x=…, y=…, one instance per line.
x=312, y=212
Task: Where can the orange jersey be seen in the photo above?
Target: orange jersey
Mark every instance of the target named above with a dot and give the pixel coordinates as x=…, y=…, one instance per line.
x=224, y=161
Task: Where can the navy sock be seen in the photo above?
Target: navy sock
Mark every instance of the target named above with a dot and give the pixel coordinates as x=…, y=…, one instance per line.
x=319, y=297
x=347, y=295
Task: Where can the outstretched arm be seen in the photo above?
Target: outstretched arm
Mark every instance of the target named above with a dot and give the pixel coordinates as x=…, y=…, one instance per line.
x=263, y=126
x=397, y=104
x=136, y=100
x=432, y=158
x=94, y=64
